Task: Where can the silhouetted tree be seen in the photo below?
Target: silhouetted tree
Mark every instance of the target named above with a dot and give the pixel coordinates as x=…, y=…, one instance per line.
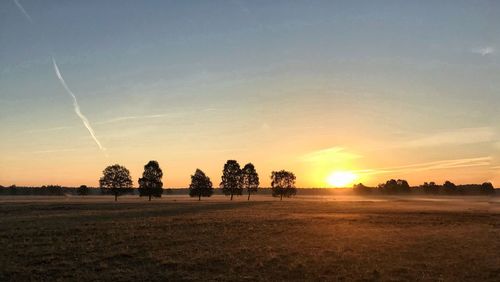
x=83, y=190
x=249, y=179
x=116, y=179
x=200, y=186
x=12, y=189
x=231, y=179
x=449, y=187
x=403, y=186
x=283, y=184
x=430, y=188
x=361, y=189
x=150, y=183
x=51, y=190
x=487, y=188
x=395, y=186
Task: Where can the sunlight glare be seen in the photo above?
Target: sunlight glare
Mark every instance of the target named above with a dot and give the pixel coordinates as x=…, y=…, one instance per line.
x=341, y=178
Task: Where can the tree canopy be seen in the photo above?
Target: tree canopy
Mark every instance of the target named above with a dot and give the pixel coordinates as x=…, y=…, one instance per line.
x=395, y=186
x=200, y=186
x=231, y=179
x=449, y=187
x=249, y=179
x=83, y=190
x=283, y=184
x=487, y=188
x=116, y=179
x=430, y=187
x=150, y=183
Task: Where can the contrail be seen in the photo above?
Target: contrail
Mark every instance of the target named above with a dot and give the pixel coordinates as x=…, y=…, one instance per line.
x=76, y=106
x=63, y=82
x=21, y=8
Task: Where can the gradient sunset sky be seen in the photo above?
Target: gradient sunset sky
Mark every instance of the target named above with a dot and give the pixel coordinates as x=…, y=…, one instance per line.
x=386, y=89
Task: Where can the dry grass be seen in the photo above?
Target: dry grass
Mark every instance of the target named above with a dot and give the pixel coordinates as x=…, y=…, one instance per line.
x=297, y=239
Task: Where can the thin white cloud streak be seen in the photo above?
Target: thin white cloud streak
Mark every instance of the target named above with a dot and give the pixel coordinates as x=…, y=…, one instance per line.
x=59, y=128
x=455, y=137
x=484, y=51
x=154, y=116
x=76, y=106
x=443, y=164
x=127, y=118
x=53, y=151
x=112, y=120
x=21, y=8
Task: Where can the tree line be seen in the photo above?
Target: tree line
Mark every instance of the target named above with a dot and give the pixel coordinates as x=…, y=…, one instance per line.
x=401, y=186
x=116, y=180
x=45, y=190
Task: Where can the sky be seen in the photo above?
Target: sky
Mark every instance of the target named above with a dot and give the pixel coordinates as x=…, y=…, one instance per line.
x=381, y=89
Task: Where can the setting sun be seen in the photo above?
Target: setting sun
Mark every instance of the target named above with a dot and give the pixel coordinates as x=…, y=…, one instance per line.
x=341, y=178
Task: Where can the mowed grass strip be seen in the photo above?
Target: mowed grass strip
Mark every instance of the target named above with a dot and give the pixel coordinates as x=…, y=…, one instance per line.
x=236, y=241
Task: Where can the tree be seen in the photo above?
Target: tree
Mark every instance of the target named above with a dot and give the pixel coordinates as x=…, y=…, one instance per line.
x=116, y=179
x=200, y=186
x=449, y=187
x=12, y=189
x=249, y=179
x=487, y=188
x=361, y=189
x=430, y=187
x=83, y=190
x=51, y=190
x=150, y=183
x=395, y=186
x=283, y=184
x=231, y=179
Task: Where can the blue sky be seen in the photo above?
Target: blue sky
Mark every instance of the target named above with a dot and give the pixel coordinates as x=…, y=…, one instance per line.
x=194, y=83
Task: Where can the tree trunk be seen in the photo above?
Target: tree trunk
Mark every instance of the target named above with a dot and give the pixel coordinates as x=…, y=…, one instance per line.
x=248, y=196
x=150, y=197
x=231, y=196
x=199, y=197
x=116, y=196
x=281, y=196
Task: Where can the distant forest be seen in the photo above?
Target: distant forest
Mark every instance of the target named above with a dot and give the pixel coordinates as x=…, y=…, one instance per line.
x=401, y=186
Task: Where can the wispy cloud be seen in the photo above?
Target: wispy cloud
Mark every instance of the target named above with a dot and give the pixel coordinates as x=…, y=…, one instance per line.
x=155, y=116
x=21, y=8
x=58, y=128
x=128, y=118
x=454, y=137
x=107, y=121
x=53, y=151
x=442, y=164
x=484, y=51
x=76, y=107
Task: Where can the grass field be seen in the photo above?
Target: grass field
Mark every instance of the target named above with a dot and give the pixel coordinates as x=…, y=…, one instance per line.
x=309, y=238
